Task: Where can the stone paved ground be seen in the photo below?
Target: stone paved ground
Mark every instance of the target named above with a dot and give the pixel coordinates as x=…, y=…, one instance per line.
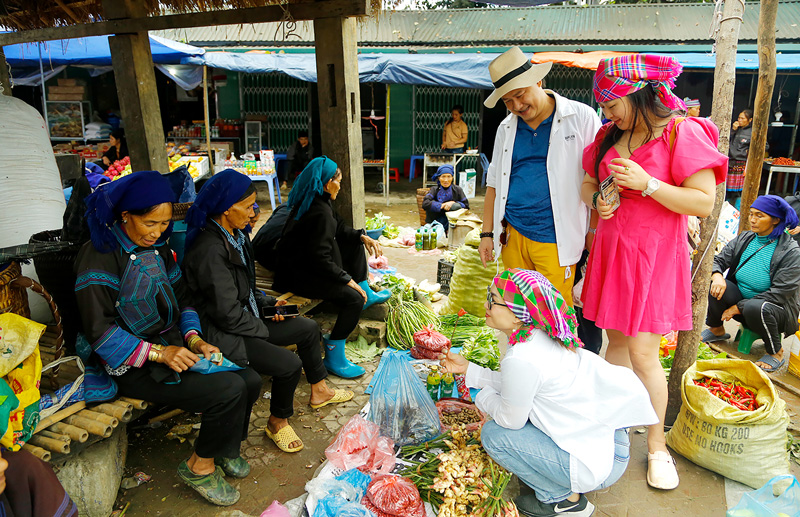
x=281, y=476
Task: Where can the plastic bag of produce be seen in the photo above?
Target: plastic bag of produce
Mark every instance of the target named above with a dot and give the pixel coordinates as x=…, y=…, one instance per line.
x=746, y=446
x=357, y=479
x=352, y=446
x=383, y=458
x=400, y=403
x=354, y=510
x=395, y=495
x=417, y=352
x=455, y=412
x=431, y=340
x=470, y=278
x=766, y=501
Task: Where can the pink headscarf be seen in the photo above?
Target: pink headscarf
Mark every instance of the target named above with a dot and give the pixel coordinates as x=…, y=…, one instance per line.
x=620, y=76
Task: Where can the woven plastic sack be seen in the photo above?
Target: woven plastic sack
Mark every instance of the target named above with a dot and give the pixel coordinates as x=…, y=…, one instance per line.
x=470, y=278
x=400, y=403
x=774, y=499
x=395, y=495
x=746, y=446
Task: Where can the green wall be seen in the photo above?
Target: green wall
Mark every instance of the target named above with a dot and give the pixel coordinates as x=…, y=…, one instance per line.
x=401, y=125
x=228, y=97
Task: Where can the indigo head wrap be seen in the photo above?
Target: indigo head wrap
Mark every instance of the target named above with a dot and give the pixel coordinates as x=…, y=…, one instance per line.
x=444, y=194
x=444, y=169
x=137, y=191
x=776, y=206
x=221, y=192
x=309, y=184
x=538, y=305
x=620, y=76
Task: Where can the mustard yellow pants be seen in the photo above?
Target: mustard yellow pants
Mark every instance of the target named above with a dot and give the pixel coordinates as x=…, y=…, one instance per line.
x=521, y=252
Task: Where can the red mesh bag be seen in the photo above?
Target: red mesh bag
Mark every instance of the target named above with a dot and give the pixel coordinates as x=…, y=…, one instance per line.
x=395, y=495
x=431, y=340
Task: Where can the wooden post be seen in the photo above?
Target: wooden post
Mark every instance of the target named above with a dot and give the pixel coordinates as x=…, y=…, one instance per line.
x=206, y=117
x=766, y=83
x=340, y=110
x=5, y=82
x=724, y=82
x=136, y=88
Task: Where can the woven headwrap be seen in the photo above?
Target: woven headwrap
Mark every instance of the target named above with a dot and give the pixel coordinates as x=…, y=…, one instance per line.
x=310, y=183
x=218, y=194
x=776, y=206
x=538, y=305
x=137, y=191
x=620, y=76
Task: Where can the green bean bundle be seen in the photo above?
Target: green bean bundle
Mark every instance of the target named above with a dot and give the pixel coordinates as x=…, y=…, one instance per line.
x=405, y=318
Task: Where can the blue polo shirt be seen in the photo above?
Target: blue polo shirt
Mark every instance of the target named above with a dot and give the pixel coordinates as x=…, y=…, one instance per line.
x=528, y=208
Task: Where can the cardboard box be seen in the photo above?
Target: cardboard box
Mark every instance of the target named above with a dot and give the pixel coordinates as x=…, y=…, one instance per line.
x=70, y=82
x=74, y=97
x=67, y=89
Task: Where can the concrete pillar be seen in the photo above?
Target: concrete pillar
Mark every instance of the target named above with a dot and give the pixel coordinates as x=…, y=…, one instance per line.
x=340, y=110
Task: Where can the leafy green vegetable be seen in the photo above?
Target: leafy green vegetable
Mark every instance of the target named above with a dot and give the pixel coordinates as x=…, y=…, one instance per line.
x=703, y=352
x=467, y=320
x=391, y=231
x=481, y=349
x=377, y=221
x=401, y=288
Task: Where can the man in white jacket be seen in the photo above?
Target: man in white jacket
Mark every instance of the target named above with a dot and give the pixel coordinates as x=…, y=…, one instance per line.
x=533, y=214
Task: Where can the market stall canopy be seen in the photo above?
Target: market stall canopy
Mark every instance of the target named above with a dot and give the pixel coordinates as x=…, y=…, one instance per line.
x=94, y=53
x=748, y=61
x=456, y=70
x=93, y=50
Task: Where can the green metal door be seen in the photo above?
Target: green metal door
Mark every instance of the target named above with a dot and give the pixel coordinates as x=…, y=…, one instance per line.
x=431, y=110
x=283, y=99
x=572, y=83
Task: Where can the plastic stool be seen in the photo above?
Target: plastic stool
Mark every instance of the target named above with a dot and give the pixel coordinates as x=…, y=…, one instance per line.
x=746, y=339
x=394, y=175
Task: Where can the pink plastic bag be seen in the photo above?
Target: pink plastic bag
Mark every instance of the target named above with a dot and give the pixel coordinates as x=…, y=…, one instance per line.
x=276, y=509
x=353, y=446
x=431, y=340
x=418, y=352
x=359, y=445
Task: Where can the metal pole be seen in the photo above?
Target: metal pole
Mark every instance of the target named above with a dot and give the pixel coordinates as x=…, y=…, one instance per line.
x=386, y=132
x=206, y=116
x=794, y=129
x=44, y=96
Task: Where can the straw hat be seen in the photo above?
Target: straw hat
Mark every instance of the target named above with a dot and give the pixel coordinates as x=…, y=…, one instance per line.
x=512, y=70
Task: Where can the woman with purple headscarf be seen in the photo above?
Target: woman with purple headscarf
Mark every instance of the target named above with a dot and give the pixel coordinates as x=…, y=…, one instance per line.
x=762, y=287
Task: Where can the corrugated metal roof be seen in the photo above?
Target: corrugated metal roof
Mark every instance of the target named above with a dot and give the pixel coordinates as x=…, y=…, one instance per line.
x=606, y=24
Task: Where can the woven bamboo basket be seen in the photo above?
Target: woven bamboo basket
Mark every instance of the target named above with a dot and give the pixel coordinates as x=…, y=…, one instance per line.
x=179, y=211
x=421, y=193
x=13, y=299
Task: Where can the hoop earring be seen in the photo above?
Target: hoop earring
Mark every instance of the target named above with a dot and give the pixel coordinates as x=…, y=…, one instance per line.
x=124, y=221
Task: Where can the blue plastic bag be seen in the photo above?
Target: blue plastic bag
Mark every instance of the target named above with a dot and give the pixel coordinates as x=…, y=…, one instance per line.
x=400, y=403
x=357, y=480
x=770, y=501
x=205, y=366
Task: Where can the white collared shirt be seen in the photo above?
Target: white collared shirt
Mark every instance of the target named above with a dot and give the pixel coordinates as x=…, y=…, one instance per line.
x=574, y=127
x=576, y=398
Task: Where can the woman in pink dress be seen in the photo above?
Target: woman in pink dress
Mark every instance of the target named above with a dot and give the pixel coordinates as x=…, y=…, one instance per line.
x=638, y=283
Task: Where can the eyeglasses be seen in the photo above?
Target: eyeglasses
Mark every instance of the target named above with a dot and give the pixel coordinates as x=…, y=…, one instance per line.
x=490, y=299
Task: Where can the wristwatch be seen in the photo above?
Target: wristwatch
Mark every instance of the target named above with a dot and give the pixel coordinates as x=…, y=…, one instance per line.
x=652, y=185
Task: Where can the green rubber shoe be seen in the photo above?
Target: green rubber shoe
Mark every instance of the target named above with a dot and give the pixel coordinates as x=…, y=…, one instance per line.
x=212, y=487
x=234, y=467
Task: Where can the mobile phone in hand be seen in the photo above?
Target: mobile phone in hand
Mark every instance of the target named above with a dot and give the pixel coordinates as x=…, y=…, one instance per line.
x=283, y=310
x=609, y=191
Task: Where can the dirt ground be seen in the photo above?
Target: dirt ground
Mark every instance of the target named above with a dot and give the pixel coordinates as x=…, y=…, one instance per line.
x=282, y=476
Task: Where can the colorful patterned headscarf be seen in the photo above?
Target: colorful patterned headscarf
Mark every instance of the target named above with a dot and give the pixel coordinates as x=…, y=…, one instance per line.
x=539, y=305
x=620, y=76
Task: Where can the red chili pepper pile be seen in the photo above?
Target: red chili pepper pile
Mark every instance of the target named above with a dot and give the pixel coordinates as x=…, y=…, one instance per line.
x=737, y=396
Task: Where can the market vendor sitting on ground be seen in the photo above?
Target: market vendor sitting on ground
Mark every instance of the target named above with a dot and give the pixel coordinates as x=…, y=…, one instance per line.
x=320, y=256
x=444, y=197
x=220, y=272
x=118, y=148
x=139, y=320
x=559, y=413
x=533, y=213
x=762, y=287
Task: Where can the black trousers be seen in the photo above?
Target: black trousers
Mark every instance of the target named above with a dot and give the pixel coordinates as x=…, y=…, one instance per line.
x=762, y=317
x=349, y=301
x=225, y=399
x=269, y=357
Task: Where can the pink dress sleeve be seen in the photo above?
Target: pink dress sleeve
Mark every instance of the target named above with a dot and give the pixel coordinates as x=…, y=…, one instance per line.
x=695, y=149
x=590, y=153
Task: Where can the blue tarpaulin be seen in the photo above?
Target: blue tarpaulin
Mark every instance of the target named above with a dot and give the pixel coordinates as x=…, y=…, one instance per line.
x=92, y=50
x=784, y=62
x=457, y=70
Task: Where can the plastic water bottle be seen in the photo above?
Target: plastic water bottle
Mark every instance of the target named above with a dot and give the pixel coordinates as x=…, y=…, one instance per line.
x=433, y=382
x=426, y=239
x=418, y=244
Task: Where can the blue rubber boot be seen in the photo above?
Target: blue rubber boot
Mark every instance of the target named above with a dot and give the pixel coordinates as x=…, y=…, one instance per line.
x=372, y=296
x=335, y=361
